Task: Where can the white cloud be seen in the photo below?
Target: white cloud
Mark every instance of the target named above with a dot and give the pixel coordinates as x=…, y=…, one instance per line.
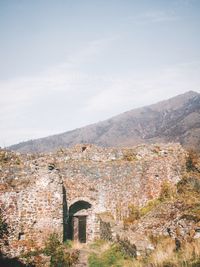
x=185, y=3
x=159, y=16
x=154, y=16
x=138, y=89
x=27, y=102
x=65, y=77
x=91, y=51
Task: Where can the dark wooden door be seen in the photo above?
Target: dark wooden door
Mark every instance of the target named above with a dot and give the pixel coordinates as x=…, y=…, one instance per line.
x=82, y=229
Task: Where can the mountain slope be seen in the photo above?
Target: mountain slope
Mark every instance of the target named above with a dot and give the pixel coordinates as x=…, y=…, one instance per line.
x=173, y=120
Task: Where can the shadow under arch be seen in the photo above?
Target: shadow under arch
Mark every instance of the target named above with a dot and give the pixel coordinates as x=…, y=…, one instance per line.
x=77, y=221
x=65, y=215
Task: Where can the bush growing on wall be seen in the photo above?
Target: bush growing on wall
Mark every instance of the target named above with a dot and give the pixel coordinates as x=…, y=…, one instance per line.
x=192, y=161
x=168, y=191
x=126, y=247
x=133, y=215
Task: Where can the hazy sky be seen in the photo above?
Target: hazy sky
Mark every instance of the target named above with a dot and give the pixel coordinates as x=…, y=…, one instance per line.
x=68, y=63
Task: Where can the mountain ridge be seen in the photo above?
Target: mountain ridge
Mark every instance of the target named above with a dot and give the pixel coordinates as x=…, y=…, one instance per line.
x=174, y=120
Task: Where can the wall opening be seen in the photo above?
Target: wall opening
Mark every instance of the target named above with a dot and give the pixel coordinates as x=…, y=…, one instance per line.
x=77, y=221
x=21, y=236
x=84, y=148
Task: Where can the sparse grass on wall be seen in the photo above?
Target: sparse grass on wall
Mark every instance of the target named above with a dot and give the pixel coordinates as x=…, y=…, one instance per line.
x=168, y=192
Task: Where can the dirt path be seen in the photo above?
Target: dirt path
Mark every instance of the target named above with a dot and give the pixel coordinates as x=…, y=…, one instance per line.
x=83, y=257
x=85, y=251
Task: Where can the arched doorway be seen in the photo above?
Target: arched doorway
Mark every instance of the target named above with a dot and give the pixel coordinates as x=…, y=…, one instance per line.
x=77, y=221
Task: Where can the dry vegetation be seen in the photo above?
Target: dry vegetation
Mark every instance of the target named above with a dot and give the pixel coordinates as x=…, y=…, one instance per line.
x=170, y=252
x=165, y=255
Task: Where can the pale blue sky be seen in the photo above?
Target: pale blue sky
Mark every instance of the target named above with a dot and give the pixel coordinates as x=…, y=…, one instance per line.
x=68, y=63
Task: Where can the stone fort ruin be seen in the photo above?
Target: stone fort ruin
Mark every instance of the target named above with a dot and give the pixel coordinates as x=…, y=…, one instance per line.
x=71, y=191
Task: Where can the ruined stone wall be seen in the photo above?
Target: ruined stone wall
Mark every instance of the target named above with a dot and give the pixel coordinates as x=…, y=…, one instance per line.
x=31, y=199
x=36, y=192
x=112, y=179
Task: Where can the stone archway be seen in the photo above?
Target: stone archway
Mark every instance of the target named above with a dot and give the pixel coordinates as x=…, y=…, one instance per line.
x=78, y=218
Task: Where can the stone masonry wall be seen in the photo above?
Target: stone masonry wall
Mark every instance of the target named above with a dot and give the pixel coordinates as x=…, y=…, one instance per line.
x=113, y=179
x=31, y=188
x=32, y=204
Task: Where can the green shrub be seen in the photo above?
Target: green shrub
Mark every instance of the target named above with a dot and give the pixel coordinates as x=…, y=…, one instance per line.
x=119, y=254
x=95, y=261
x=52, y=244
x=68, y=243
x=59, y=253
x=30, y=257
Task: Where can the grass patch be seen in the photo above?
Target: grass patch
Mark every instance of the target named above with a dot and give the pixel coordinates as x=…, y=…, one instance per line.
x=97, y=244
x=111, y=257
